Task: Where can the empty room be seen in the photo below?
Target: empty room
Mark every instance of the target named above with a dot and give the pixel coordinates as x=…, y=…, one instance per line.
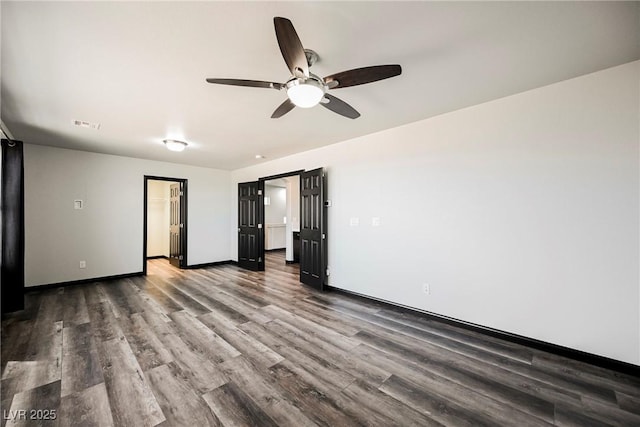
x=320, y=213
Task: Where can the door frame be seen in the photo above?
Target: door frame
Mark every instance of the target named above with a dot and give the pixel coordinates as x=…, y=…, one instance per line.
x=183, y=210
x=262, y=181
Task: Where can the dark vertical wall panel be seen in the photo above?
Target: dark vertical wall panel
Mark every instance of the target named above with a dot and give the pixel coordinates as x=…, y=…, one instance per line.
x=12, y=199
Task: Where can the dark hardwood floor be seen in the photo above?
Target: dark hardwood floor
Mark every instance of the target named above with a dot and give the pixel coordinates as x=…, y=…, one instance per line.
x=224, y=346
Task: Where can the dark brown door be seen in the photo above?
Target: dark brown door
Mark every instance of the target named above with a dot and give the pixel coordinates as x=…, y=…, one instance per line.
x=250, y=212
x=313, y=238
x=175, y=225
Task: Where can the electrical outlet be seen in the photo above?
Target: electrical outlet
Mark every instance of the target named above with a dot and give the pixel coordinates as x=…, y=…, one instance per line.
x=83, y=264
x=426, y=288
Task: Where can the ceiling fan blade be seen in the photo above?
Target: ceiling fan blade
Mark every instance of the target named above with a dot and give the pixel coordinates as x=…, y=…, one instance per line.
x=291, y=47
x=247, y=83
x=339, y=106
x=360, y=76
x=283, y=109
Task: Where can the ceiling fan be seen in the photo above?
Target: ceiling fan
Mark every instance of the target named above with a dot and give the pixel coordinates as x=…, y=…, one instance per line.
x=305, y=89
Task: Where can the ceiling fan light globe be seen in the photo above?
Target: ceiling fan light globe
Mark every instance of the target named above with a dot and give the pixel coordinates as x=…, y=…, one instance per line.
x=305, y=94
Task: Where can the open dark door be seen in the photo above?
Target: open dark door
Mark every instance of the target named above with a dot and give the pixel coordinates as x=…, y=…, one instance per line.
x=178, y=219
x=313, y=238
x=250, y=212
x=176, y=255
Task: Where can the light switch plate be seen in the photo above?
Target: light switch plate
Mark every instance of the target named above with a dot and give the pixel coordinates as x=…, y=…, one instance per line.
x=375, y=221
x=77, y=204
x=354, y=222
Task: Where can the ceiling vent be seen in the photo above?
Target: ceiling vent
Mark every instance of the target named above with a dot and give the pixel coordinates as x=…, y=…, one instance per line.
x=84, y=124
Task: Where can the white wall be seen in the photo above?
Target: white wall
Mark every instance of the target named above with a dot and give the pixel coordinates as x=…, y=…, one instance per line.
x=275, y=212
x=108, y=232
x=158, y=220
x=293, y=212
x=521, y=213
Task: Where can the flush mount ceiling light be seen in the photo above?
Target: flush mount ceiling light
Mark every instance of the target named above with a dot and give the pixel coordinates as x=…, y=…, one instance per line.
x=85, y=124
x=174, y=145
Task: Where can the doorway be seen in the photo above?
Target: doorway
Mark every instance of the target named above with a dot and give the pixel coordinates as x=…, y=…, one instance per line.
x=282, y=219
x=312, y=233
x=165, y=220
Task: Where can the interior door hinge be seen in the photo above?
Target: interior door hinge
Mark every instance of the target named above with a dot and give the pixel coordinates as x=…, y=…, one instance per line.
x=324, y=236
x=259, y=225
x=259, y=259
x=181, y=225
x=182, y=193
x=180, y=257
x=328, y=272
x=259, y=192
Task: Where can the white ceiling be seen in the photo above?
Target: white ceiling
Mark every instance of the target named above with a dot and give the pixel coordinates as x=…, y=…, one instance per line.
x=139, y=68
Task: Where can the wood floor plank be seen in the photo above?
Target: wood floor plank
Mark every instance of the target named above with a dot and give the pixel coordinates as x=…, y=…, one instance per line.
x=45, y=345
x=485, y=409
x=89, y=407
x=172, y=289
x=573, y=370
x=40, y=405
x=341, y=340
x=242, y=307
x=22, y=376
x=16, y=335
x=499, y=347
x=94, y=294
x=104, y=325
x=147, y=348
x=235, y=408
x=596, y=407
x=417, y=340
x=81, y=367
x=201, y=373
x=574, y=416
x=377, y=402
x=312, y=345
x=123, y=304
x=201, y=339
x=75, y=307
x=132, y=402
x=323, y=409
x=333, y=380
x=628, y=403
x=437, y=407
x=181, y=405
x=208, y=299
x=441, y=365
x=251, y=348
x=45, y=342
x=263, y=389
x=155, y=299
